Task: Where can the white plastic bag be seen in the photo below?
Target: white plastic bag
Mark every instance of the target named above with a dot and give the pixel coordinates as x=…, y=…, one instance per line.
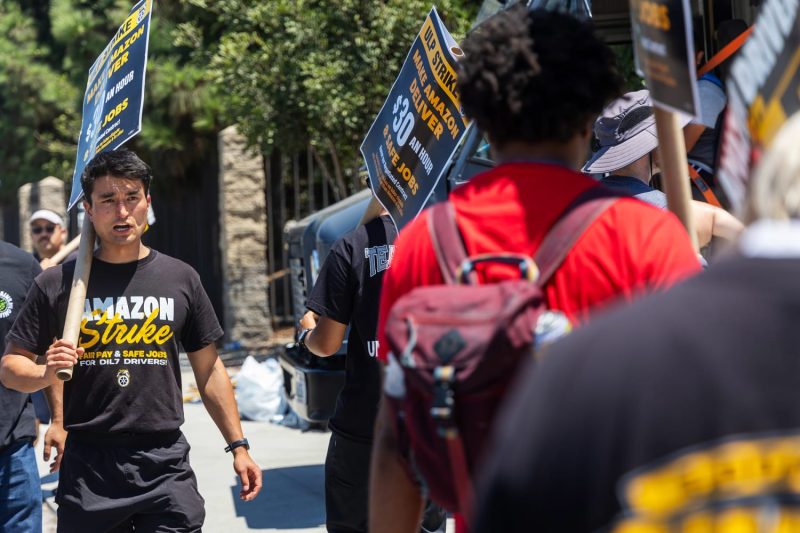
x=258, y=389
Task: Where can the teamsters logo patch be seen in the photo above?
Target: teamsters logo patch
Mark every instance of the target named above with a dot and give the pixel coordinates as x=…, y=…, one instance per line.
x=6, y=304
x=124, y=377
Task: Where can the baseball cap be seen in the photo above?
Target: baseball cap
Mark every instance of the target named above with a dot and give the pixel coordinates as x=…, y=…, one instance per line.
x=46, y=214
x=626, y=131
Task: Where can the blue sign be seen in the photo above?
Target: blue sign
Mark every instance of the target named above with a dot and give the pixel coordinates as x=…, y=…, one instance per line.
x=114, y=98
x=418, y=129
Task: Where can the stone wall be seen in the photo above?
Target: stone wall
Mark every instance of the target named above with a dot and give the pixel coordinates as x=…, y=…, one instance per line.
x=49, y=194
x=243, y=242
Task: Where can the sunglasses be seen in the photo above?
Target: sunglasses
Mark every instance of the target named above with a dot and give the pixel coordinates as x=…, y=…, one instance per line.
x=47, y=229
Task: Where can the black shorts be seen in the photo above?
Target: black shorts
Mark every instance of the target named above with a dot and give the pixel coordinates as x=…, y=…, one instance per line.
x=124, y=482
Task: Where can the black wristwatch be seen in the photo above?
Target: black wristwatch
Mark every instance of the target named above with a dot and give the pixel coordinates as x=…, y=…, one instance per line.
x=301, y=339
x=237, y=444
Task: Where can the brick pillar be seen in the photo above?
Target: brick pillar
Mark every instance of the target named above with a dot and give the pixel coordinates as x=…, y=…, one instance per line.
x=243, y=242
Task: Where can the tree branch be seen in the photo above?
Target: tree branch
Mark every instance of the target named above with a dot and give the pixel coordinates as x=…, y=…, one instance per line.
x=337, y=169
x=337, y=193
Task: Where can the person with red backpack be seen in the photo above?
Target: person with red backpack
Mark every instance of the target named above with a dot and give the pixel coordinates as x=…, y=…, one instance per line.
x=534, y=82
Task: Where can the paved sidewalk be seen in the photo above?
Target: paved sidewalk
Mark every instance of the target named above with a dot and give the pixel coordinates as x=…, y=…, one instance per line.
x=292, y=498
x=292, y=462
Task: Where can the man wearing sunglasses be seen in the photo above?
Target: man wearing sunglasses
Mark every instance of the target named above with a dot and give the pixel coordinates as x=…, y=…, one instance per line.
x=48, y=236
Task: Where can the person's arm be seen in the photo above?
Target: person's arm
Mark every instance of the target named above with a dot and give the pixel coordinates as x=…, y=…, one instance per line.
x=56, y=436
x=216, y=391
x=19, y=371
x=712, y=221
x=325, y=335
x=395, y=501
x=691, y=134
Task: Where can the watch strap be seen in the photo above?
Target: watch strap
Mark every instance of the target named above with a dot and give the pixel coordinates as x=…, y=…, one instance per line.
x=237, y=444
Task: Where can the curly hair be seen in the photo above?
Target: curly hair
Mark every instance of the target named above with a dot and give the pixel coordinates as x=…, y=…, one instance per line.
x=535, y=76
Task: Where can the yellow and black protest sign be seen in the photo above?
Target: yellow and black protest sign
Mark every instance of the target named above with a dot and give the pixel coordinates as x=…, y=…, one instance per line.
x=750, y=483
x=662, y=37
x=114, y=97
x=763, y=91
x=417, y=130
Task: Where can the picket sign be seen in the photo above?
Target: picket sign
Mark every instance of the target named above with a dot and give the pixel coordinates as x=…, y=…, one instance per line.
x=413, y=138
x=662, y=37
x=112, y=115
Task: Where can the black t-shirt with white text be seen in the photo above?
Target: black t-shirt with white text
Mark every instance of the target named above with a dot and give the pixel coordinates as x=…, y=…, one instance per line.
x=348, y=291
x=135, y=314
x=17, y=271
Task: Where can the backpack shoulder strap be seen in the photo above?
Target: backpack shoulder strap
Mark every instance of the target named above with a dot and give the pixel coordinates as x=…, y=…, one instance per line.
x=558, y=242
x=446, y=239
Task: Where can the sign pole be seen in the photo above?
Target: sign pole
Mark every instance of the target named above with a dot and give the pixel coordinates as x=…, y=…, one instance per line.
x=66, y=250
x=675, y=168
x=77, y=295
x=112, y=114
x=373, y=211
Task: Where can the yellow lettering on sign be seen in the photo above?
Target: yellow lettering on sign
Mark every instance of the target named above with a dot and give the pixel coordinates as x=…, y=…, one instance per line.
x=443, y=73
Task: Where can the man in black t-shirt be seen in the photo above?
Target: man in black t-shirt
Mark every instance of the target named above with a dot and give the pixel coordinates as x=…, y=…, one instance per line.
x=346, y=292
x=650, y=420
x=20, y=491
x=126, y=462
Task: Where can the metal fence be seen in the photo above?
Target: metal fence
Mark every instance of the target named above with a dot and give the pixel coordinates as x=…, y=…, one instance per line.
x=295, y=188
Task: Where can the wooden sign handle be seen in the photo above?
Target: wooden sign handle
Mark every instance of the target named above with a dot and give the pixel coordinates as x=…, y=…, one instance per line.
x=675, y=169
x=77, y=294
x=66, y=250
x=373, y=211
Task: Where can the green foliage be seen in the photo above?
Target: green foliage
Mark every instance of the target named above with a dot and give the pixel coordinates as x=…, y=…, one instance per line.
x=300, y=71
x=36, y=105
x=627, y=66
x=45, y=55
x=288, y=72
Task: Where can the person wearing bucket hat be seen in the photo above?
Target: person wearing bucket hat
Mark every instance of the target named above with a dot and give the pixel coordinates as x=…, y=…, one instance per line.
x=628, y=160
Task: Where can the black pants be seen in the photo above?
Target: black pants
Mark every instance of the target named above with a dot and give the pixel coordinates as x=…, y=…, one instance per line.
x=129, y=482
x=347, y=487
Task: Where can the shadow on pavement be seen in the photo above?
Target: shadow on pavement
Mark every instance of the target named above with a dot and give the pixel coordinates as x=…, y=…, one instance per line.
x=291, y=498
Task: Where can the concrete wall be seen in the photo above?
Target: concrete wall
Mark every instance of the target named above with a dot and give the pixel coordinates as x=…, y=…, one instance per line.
x=49, y=194
x=243, y=242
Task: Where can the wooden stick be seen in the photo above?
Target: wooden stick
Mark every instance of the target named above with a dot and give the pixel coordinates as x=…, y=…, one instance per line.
x=675, y=168
x=373, y=210
x=66, y=250
x=77, y=295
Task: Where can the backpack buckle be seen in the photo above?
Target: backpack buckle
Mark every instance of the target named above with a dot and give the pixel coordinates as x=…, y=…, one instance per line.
x=443, y=398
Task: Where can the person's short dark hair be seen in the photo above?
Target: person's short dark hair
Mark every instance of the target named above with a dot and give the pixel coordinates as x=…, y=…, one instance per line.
x=117, y=163
x=536, y=76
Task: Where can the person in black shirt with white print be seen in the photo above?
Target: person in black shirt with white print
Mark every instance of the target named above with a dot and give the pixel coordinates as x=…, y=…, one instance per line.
x=126, y=465
x=20, y=489
x=346, y=292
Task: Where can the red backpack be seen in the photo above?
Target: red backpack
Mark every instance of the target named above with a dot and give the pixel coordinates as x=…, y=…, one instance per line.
x=459, y=345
